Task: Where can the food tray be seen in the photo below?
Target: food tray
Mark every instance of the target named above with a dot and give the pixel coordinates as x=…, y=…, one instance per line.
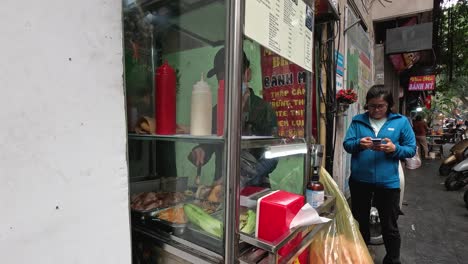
x=147, y=214
x=143, y=215
x=167, y=226
x=204, y=239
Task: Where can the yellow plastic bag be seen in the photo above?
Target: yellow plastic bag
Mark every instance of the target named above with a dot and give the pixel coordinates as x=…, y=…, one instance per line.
x=340, y=242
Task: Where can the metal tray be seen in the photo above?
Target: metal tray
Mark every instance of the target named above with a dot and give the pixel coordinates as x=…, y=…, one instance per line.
x=204, y=239
x=147, y=214
x=167, y=226
x=143, y=215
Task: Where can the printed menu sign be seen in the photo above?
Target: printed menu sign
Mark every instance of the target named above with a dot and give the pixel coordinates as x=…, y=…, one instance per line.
x=283, y=26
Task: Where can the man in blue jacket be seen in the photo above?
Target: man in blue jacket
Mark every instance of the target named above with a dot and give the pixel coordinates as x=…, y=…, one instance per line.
x=378, y=139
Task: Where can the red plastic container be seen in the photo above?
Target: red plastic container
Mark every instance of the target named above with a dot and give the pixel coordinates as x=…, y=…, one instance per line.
x=220, y=109
x=275, y=212
x=165, y=100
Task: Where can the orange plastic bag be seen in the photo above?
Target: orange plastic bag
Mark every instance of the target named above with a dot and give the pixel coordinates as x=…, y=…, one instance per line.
x=340, y=242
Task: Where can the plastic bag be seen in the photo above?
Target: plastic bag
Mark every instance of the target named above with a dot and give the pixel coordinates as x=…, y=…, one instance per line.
x=340, y=242
x=414, y=162
x=288, y=175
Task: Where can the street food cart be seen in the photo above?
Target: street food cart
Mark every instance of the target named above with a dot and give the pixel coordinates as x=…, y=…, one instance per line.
x=173, y=54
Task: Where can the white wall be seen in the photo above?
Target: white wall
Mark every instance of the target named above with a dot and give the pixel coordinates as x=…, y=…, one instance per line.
x=400, y=8
x=63, y=169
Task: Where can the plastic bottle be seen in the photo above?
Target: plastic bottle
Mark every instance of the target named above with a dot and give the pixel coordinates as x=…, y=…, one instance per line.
x=200, y=116
x=220, y=109
x=315, y=193
x=165, y=100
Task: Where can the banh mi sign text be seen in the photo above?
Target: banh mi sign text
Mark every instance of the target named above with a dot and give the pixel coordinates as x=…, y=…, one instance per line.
x=422, y=83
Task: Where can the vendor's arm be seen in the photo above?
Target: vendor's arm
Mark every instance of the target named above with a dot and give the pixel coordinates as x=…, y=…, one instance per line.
x=202, y=153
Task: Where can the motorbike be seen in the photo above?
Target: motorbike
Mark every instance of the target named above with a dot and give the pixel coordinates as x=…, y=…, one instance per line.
x=456, y=156
x=460, y=134
x=458, y=177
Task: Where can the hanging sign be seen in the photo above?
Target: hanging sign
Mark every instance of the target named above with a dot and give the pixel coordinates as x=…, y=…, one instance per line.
x=422, y=83
x=339, y=82
x=339, y=63
x=284, y=87
x=283, y=26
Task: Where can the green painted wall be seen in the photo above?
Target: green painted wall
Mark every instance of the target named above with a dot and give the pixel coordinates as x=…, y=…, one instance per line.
x=191, y=64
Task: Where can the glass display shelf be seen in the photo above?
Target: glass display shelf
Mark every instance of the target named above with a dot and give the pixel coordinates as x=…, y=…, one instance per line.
x=212, y=139
x=247, y=141
x=189, y=247
x=182, y=246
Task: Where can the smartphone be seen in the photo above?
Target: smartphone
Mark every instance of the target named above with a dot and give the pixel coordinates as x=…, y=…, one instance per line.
x=376, y=141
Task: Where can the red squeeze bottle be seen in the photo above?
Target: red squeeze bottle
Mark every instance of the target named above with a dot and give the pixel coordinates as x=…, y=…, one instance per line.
x=220, y=109
x=165, y=100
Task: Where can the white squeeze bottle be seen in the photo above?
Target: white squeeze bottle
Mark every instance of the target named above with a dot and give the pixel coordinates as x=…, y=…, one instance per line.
x=200, y=118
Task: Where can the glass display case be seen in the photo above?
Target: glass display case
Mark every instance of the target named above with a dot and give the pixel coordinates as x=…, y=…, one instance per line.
x=212, y=115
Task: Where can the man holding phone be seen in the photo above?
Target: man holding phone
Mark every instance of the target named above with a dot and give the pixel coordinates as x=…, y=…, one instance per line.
x=378, y=139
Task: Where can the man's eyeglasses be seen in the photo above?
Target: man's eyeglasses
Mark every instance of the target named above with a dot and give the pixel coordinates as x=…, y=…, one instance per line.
x=377, y=106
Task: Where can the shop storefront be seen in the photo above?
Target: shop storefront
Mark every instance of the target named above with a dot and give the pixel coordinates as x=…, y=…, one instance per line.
x=357, y=62
x=220, y=111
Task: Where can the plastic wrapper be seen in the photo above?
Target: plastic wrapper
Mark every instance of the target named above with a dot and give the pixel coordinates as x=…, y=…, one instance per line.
x=414, y=162
x=340, y=242
x=288, y=175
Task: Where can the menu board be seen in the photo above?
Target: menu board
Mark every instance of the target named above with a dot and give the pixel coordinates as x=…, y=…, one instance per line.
x=283, y=26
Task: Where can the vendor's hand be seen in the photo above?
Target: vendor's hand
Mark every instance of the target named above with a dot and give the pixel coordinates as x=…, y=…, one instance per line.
x=198, y=156
x=366, y=143
x=388, y=147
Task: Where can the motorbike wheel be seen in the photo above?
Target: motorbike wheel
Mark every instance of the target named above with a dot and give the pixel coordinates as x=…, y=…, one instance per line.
x=452, y=183
x=375, y=228
x=445, y=169
x=465, y=197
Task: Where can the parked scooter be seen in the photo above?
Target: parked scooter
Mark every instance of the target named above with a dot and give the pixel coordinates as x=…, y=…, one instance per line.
x=458, y=177
x=455, y=157
x=460, y=134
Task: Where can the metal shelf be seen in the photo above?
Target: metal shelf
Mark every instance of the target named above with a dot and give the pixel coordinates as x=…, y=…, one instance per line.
x=308, y=233
x=176, y=245
x=261, y=141
x=178, y=137
x=246, y=142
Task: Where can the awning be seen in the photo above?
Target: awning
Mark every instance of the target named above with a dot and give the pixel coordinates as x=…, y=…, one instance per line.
x=326, y=10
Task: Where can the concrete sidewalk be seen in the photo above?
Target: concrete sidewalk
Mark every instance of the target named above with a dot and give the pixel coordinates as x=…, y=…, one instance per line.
x=434, y=228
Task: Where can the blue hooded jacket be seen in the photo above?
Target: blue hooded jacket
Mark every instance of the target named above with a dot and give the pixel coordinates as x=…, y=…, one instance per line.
x=377, y=167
